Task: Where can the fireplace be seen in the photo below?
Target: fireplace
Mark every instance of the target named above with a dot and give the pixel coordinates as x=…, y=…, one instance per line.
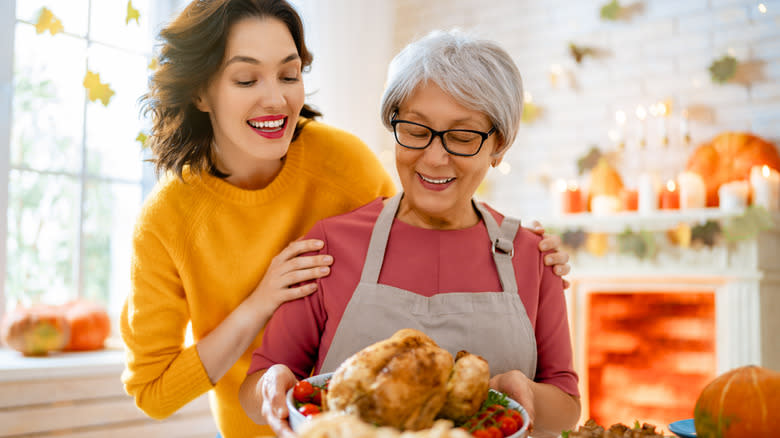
x=648, y=354
x=649, y=334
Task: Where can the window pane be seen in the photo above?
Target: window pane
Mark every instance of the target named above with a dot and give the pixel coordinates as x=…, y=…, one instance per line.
x=112, y=149
x=111, y=210
x=42, y=225
x=109, y=24
x=72, y=13
x=48, y=100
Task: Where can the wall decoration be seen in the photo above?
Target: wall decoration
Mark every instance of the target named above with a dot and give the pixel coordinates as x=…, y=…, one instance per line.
x=48, y=21
x=707, y=233
x=746, y=226
x=142, y=138
x=96, y=89
x=573, y=239
x=580, y=52
x=589, y=160
x=641, y=244
x=724, y=69
x=132, y=13
x=597, y=243
x=611, y=11
x=681, y=235
x=531, y=112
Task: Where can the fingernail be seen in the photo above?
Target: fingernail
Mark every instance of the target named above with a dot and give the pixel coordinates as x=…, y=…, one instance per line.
x=558, y=271
x=324, y=270
x=328, y=259
x=548, y=259
x=319, y=244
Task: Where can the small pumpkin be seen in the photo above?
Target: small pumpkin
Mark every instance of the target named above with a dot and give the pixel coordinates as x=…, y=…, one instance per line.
x=89, y=325
x=743, y=402
x=35, y=330
x=604, y=180
x=729, y=157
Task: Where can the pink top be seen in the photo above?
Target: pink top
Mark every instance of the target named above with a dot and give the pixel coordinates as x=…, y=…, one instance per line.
x=427, y=262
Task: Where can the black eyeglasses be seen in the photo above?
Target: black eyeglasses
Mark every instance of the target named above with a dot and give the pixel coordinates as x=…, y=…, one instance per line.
x=460, y=142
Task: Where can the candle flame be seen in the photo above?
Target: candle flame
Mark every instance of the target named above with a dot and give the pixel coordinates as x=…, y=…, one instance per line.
x=671, y=186
x=641, y=112
x=620, y=117
x=762, y=8
x=765, y=171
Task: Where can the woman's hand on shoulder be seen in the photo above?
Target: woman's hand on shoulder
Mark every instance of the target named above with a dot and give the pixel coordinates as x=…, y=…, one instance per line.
x=283, y=278
x=558, y=259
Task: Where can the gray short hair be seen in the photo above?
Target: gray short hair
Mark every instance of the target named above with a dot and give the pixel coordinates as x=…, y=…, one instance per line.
x=478, y=73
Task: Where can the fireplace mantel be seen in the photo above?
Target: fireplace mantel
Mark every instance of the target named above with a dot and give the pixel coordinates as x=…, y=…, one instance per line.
x=745, y=276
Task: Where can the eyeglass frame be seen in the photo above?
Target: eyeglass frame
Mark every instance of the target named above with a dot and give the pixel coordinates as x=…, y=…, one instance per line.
x=440, y=134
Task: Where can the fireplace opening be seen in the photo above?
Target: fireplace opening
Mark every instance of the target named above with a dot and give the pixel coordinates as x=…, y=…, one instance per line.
x=648, y=355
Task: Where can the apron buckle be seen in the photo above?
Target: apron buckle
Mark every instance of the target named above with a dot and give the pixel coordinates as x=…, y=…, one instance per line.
x=504, y=246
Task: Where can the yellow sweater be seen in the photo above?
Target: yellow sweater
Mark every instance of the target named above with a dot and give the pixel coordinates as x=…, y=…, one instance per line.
x=202, y=245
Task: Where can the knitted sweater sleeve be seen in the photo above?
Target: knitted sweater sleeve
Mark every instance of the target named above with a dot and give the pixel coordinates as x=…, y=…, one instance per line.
x=161, y=373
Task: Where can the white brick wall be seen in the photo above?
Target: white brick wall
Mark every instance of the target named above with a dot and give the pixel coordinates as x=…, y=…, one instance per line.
x=662, y=52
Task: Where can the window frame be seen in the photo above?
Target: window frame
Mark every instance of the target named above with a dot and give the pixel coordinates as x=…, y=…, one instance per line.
x=159, y=12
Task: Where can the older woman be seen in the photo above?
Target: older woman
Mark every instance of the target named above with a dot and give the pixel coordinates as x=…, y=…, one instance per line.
x=432, y=258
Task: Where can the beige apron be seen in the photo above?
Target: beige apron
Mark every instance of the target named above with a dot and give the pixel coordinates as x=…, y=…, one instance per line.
x=493, y=325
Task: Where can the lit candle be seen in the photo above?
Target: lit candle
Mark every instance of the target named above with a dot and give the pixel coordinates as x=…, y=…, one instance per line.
x=732, y=196
x=693, y=193
x=765, y=182
x=684, y=129
x=641, y=114
x=602, y=205
x=670, y=196
x=573, y=202
x=620, y=118
x=648, y=193
x=629, y=199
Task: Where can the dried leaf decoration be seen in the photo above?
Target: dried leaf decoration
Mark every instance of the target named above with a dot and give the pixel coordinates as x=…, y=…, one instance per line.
x=48, y=21
x=610, y=11
x=142, y=138
x=96, y=89
x=589, y=161
x=573, y=239
x=723, y=69
x=706, y=233
x=681, y=235
x=754, y=220
x=641, y=244
x=580, y=52
x=132, y=13
x=153, y=64
x=530, y=112
x=597, y=243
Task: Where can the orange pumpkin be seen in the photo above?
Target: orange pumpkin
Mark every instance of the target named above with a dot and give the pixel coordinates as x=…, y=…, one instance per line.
x=89, y=325
x=743, y=402
x=729, y=157
x=604, y=180
x=36, y=330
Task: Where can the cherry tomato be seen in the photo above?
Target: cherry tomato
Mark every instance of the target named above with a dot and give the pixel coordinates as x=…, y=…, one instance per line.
x=508, y=426
x=516, y=416
x=318, y=395
x=303, y=391
x=309, y=410
x=495, y=432
x=481, y=433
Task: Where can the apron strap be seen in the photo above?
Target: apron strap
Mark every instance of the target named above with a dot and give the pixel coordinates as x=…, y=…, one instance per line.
x=502, y=246
x=379, y=236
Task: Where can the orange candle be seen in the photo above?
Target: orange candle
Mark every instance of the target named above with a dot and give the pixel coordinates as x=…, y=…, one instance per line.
x=572, y=199
x=670, y=196
x=629, y=200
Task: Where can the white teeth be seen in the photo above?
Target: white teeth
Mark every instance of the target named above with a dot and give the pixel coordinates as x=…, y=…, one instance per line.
x=436, y=181
x=271, y=124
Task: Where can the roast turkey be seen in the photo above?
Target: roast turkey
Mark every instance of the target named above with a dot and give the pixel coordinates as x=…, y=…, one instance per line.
x=406, y=381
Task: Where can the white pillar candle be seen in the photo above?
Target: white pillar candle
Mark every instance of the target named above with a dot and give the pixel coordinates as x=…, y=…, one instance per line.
x=765, y=183
x=693, y=194
x=559, y=189
x=602, y=205
x=732, y=196
x=648, y=193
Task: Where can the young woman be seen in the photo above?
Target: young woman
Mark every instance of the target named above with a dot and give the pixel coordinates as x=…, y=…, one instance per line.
x=247, y=171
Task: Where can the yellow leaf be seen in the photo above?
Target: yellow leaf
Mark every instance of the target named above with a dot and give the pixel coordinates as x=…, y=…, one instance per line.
x=96, y=89
x=141, y=138
x=48, y=21
x=132, y=13
x=597, y=243
x=153, y=64
x=530, y=112
x=681, y=235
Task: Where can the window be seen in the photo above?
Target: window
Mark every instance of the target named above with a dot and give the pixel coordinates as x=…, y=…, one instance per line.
x=74, y=168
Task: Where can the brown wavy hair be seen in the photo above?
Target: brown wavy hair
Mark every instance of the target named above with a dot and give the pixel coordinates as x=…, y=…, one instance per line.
x=191, y=53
